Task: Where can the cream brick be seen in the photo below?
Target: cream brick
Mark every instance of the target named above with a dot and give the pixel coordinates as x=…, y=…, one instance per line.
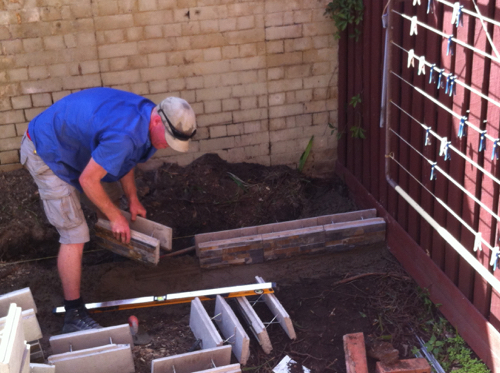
x=118, y=50
x=290, y=97
x=320, y=118
x=235, y=129
x=256, y=150
x=89, y=67
x=284, y=146
x=111, y=37
x=46, y=14
x=320, y=94
x=263, y=101
x=304, y=95
x=194, y=82
x=284, y=85
x=81, y=82
x=230, y=52
x=244, y=36
x=17, y=75
x=294, y=58
x=276, y=99
x=5, y=104
x=145, y=5
x=287, y=134
x=7, y=131
x=119, y=21
x=157, y=59
x=273, y=6
x=248, y=63
x=212, y=54
x=318, y=28
x=12, y=143
x=286, y=110
x=177, y=84
x=248, y=50
x=191, y=28
x=21, y=128
x=298, y=71
x=153, y=18
x=249, y=103
x=172, y=30
x=228, y=24
x=21, y=102
x=321, y=68
x=275, y=73
x=56, y=96
x=319, y=55
x=125, y=77
x=9, y=157
x=133, y=33
x=302, y=16
x=32, y=45
x=154, y=46
x=245, y=8
x=208, y=41
x=252, y=127
x=39, y=86
x=213, y=94
x=158, y=86
x=157, y=73
x=140, y=89
x=244, y=23
x=284, y=32
x=277, y=124
x=249, y=115
x=218, y=131
x=138, y=61
x=119, y=64
x=41, y=99
x=209, y=26
x=276, y=46
x=80, y=10
x=38, y=72
x=235, y=155
x=214, y=106
x=4, y=33
x=30, y=30
x=70, y=41
x=203, y=68
x=315, y=106
x=182, y=43
x=12, y=47
x=85, y=39
x=7, y=90
x=211, y=119
x=106, y=8
x=291, y=122
x=317, y=81
x=273, y=19
x=249, y=89
x=230, y=104
x=31, y=113
x=252, y=139
x=217, y=144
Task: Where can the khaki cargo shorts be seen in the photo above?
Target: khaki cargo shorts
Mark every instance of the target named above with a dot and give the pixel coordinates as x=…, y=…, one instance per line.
x=61, y=201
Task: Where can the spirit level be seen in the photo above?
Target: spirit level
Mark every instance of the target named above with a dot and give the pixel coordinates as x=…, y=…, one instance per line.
x=177, y=298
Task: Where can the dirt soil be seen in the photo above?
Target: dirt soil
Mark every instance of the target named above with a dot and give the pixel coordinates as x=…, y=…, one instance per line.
x=326, y=295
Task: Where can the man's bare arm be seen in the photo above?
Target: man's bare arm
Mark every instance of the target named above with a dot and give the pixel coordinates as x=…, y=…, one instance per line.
x=90, y=180
x=130, y=190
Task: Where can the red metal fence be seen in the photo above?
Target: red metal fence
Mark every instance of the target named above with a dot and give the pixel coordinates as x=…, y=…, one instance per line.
x=422, y=139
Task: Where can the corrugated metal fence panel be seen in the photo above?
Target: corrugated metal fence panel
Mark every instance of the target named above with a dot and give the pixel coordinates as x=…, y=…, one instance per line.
x=361, y=73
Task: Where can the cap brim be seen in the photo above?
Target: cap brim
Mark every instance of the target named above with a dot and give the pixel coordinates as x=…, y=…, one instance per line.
x=177, y=145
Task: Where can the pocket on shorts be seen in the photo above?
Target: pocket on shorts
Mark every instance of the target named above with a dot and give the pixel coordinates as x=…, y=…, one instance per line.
x=64, y=212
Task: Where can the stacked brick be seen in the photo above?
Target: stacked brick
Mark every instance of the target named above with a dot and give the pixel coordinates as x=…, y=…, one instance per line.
x=329, y=233
x=260, y=74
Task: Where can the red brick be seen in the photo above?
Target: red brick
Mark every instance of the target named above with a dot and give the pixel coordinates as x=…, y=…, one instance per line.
x=355, y=353
x=405, y=366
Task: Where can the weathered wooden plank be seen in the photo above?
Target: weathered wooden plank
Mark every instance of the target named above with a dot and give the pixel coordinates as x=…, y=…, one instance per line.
x=141, y=248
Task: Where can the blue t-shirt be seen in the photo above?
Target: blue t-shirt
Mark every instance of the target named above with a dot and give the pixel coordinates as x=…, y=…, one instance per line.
x=109, y=125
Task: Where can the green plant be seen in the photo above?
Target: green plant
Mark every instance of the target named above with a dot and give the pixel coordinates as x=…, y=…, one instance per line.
x=344, y=13
x=305, y=155
x=357, y=132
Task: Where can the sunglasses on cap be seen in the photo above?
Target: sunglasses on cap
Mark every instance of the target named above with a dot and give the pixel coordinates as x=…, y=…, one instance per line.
x=175, y=132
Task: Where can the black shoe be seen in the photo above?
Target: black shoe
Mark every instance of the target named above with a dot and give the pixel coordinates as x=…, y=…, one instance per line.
x=78, y=319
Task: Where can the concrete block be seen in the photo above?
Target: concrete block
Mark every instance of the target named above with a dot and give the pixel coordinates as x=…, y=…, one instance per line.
x=202, y=326
x=346, y=235
x=233, y=368
x=232, y=330
x=30, y=323
x=119, y=334
x=279, y=311
x=104, y=359
x=419, y=365
x=42, y=368
x=25, y=362
x=23, y=298
x=347, y=216
x=156, y=230
x=255, y=324
x=193, y=361
x=355, y=353
x=12, y=344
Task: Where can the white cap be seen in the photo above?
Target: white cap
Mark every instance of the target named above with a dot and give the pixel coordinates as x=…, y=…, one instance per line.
x=181, y=116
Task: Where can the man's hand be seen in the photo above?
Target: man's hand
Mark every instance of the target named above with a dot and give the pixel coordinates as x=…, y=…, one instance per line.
x=136, y=208
x=120, y=229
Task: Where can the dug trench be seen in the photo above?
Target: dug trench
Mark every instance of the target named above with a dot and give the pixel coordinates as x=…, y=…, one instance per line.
x=327, y=295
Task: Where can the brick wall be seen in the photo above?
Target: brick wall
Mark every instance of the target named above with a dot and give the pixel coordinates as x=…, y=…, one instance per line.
x=261, y=75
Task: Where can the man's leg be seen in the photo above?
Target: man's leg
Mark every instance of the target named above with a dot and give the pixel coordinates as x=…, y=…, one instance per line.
x=69, y=264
